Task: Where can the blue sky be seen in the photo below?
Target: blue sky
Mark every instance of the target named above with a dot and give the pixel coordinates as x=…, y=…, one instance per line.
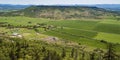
x=54, y=2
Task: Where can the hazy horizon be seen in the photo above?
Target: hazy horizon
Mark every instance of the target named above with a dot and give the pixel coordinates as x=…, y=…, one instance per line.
x=58, y=2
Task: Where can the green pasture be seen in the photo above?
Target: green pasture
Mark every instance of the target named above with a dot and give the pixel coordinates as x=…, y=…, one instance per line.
x=22, y=20
x=114, y=38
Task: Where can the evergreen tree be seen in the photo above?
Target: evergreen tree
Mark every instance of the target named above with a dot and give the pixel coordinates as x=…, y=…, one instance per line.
x=63, y=53
x=72, y=52
x=52, y=55
x=110, y=54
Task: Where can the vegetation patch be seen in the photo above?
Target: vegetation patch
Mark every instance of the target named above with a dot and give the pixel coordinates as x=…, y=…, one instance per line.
x=114, y=38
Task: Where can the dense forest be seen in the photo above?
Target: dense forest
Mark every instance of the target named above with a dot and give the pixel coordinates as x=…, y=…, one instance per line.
x=21, y=49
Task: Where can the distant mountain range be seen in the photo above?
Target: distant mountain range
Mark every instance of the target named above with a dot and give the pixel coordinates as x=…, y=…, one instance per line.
x=114, y=7
x=9, y=7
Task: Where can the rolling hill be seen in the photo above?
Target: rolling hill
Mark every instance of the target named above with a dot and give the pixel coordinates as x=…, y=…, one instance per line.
x=63, y=12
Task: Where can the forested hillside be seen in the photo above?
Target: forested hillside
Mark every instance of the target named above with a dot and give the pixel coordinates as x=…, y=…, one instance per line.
x=63, y=12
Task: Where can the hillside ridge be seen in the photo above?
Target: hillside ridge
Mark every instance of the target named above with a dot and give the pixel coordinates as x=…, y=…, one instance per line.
x=63, y=12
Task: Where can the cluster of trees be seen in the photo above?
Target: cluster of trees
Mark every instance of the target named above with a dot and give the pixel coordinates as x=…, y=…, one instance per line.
x=15, y=49
x=21, y=49
x=38, y=25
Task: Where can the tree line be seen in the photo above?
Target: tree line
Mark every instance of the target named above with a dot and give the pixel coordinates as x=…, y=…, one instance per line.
x=21, y=49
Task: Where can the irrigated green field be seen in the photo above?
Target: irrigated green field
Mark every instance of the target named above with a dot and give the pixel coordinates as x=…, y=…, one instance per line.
x=85, y=32
x=93, y=29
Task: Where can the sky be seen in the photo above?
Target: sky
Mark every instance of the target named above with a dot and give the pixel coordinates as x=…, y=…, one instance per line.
x=57, y=2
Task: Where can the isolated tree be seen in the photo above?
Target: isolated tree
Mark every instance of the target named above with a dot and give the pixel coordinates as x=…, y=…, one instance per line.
x=110, y=54
x=63, y=53
x=72, y=52
x=29, y=22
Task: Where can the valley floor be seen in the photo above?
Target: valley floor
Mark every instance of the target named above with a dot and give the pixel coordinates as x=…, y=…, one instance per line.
x=89, y=35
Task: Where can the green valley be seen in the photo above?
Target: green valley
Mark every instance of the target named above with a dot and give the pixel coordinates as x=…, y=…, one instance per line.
x=60, y=33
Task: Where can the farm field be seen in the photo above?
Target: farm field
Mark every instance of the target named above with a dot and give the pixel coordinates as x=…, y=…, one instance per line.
x=40, y=34
x=81, y=31
x=77, y=27
x=92, y=28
